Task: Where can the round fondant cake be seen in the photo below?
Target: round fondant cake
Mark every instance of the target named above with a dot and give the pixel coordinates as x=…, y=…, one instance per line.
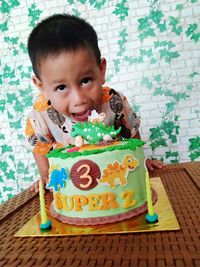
x=98, y=183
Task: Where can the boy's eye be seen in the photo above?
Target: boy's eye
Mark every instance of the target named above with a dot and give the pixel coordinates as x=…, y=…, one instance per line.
x=85, y=80
x=61, y=87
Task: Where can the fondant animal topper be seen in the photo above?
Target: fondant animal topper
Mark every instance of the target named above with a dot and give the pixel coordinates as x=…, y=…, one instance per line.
x=96, y=117
x=119, y=171
x=58, y=179
x=93, y=133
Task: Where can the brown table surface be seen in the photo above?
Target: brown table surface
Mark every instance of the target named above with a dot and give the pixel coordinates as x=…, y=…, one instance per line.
x=172, y=248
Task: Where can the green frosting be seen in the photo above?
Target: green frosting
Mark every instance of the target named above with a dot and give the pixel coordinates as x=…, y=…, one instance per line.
x=93, y=132
x=131, y=144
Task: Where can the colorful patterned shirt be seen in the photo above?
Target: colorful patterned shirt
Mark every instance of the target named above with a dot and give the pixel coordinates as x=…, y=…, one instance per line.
x=47, y=129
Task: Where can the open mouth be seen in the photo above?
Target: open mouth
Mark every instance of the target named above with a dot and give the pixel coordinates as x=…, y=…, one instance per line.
x=81, y=116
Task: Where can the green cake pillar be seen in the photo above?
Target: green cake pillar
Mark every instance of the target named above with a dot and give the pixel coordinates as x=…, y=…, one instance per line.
x=151, y=217
x=45, y=222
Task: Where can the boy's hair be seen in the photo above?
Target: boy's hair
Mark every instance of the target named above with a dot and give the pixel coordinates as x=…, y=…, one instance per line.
x=58, y=33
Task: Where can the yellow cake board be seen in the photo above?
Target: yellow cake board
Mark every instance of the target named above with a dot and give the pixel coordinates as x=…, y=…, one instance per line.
x=167, y=221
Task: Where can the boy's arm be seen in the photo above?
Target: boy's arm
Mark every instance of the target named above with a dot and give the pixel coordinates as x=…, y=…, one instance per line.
x=151, y=163
x=132, y=122
x=137, y=136
x=43, y=167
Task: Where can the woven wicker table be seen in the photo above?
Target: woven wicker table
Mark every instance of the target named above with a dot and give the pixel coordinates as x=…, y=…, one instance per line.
x=173, y=248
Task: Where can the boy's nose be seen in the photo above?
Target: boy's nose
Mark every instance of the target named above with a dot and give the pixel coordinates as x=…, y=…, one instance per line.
x=78, y=97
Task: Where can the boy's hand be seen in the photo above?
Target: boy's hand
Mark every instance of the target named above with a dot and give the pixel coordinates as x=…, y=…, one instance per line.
x=154, y=164
x=35, y=185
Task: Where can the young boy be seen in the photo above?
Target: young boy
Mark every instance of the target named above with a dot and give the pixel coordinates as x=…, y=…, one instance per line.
x=70, y=73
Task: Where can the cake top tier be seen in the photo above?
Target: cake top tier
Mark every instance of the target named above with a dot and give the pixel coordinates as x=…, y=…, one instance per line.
x=72, y=152
x=94, y=137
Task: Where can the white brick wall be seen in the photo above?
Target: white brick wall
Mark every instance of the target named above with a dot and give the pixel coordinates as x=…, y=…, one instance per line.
x=128, y=79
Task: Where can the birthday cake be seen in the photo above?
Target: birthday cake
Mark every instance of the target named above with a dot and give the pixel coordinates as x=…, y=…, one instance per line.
x=98, y=182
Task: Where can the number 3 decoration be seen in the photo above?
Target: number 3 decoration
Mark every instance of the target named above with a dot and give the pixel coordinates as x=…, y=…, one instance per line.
x=84, y=174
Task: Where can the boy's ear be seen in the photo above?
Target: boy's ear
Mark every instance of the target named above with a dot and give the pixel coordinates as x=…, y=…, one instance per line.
x=37, y=83
x=103, y=70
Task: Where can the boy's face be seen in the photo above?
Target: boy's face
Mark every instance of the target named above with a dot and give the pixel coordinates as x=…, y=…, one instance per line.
x=72, y=81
